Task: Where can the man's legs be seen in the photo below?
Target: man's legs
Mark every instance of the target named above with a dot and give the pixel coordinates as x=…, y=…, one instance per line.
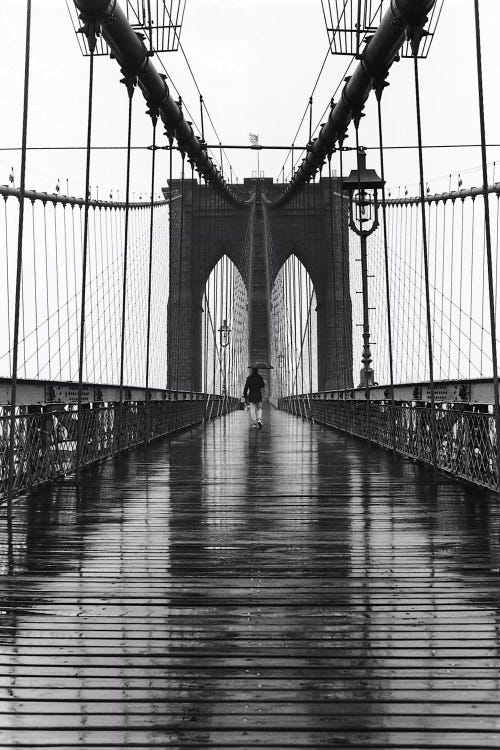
x=252, y=410
x=258, y=410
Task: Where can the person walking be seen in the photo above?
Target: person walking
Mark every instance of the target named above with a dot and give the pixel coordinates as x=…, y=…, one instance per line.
x=252, y=394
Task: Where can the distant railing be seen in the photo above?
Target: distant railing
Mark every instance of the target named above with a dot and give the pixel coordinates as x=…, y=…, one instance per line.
x=46, y=445
x=466, y=445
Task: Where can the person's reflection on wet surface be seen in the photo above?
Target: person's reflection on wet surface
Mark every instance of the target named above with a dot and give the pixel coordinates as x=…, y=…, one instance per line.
x=284, y=588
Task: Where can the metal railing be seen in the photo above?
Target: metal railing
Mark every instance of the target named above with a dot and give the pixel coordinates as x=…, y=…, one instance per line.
x=45, y=441
x=466, y=439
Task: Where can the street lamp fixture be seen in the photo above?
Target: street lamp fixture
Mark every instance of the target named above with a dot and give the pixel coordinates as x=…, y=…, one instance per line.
x=224, y=334
x=363, y=185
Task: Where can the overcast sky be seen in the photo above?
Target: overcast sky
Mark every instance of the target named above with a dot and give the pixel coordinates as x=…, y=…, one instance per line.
x=255, y=62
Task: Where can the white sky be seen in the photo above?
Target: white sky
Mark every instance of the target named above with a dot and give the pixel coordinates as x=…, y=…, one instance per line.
x=256, y=62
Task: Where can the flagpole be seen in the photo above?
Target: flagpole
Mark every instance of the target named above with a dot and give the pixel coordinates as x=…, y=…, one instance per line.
x=254, y=140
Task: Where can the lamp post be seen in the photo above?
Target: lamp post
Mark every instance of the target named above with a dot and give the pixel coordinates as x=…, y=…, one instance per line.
x=224, y=333
x=362, y=185
x=281, y=359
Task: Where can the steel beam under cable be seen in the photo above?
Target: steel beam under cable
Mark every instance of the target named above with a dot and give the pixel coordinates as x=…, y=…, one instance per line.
x=378, y=55
x=135, y=60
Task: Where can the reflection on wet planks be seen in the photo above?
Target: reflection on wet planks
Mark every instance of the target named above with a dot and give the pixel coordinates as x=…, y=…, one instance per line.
x=232, y=588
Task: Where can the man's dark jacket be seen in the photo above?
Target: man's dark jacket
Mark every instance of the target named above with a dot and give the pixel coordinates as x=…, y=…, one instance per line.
x=253, y=386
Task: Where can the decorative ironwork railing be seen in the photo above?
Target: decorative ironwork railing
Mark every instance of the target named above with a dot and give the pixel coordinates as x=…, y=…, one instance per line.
x=466, y=445
x=46, y=446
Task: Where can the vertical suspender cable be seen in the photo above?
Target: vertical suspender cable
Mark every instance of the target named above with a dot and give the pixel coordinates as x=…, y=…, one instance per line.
x=103, y=368
x=288, y=336
x=223, y=308
x=7, y=274
x=386, y=265
x=308, y=297
x=335, y=364
x=309, y=340
x=116, y=243
x=206, y=294
x=170, y=195
x=68, y=329
x=194, y=374
x=107, y=276
x=130, y=84
x=400, y=295
x=210, y=284
x=460, y=309
x=345, y=291
x=47, y=294
x=22, y=309
x=208, y=246
x=103, y=294
x=154, y=119
x=418, y=276
x=483, y=279
x=426, y=264
x=229, y=310
x=214, y=322
x=201, y=118
x=296, y=312
x=443, y=250
x=179, y=281
x=396, y=277
x=292, y=312
x=79, y=438
x=93, y=313
x=75, y=290
x=448, y=376
x=301, y=324
x=488, y=237
x=19, y=267
x=310, y=117
x=58, y=314
x=471, y=286
x=35, y=289
x=497, y=247
x=233, y=311
x=227, y=319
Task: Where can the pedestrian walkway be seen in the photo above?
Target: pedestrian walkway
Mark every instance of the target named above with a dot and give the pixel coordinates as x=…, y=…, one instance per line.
x=283, y=588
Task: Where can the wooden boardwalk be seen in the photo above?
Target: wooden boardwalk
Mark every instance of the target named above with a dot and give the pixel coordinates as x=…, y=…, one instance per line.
x=288, y=588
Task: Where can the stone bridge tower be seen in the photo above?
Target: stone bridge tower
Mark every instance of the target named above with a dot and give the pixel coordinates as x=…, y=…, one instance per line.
x=258, y=238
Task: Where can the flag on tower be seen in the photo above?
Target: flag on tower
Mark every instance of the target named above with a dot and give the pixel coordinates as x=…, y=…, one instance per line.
x=254, y=139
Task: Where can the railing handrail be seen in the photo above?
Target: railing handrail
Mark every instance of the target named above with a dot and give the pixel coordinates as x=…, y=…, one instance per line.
x=453, y=195
x=35, y=195
x=464, y=390
x=40, y=392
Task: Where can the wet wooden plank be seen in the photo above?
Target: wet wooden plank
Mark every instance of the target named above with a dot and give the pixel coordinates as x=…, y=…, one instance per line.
x=283, y=739
x=288, y=588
